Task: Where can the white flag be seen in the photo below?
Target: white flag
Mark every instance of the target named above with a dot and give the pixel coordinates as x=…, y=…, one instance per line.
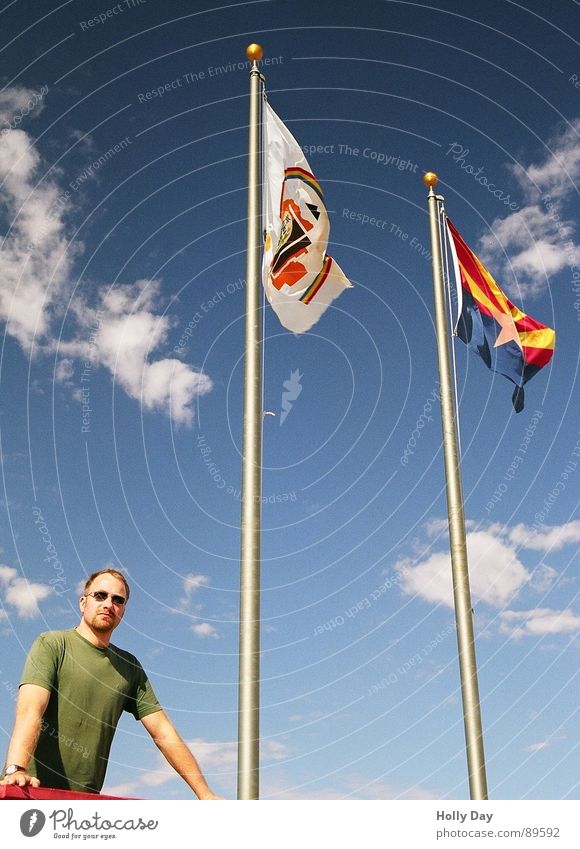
x=299, y=277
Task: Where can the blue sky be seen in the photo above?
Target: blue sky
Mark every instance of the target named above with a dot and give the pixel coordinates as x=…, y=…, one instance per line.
x=123, y=145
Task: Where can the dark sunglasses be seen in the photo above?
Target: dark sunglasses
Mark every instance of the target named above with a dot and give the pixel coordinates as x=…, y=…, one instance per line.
x=101, y=595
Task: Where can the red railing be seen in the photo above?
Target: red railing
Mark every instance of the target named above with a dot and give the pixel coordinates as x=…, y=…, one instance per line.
x=11, y=791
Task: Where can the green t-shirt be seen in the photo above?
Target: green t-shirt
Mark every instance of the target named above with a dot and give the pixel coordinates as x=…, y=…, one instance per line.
x=89, y=689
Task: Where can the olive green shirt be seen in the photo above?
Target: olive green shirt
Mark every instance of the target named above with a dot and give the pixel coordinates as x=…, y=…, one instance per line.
x=89, y=689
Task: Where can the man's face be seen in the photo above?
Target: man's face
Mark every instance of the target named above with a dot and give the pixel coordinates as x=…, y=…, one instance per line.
x=103, y=616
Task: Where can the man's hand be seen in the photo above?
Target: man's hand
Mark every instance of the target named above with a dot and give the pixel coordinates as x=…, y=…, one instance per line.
x=20, y=779
x=204, y=797
x=177, y=753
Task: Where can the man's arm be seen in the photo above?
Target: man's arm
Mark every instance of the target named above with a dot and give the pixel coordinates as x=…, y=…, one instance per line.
x=30, y=707
x=176, y=753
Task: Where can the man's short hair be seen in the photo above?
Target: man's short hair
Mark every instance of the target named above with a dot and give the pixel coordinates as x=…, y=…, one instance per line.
x=114, y=572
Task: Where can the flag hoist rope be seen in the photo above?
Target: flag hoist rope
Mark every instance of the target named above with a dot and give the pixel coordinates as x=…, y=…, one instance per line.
x=249, y=660
x=447, y=278
x=457, y=540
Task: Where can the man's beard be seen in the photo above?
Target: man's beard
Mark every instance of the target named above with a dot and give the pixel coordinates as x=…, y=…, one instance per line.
x=103, y=623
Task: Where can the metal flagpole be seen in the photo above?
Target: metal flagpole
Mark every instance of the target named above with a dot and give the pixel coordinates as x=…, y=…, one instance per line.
x=461, y=593
x=249, y=667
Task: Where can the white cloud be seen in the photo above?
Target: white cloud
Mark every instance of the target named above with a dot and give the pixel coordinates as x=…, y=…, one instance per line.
x=158, y=776
x=122, y=332
x=35, y=259
x=225, y=754
x=544, y=744
x=365, y=788
x=191, y=584
x=548, y=538
x=273, y=750
x=205, y=629
x=218, y=757
x=542, y=620
x=313, y=716
x=558, y=174
x=495, y=572
x=127, y=788
x=527, y=247
x=346, y=787
x=64, y=371
x=436, y=527
x=7, y=574
x=21, y=593
x=543, y=577
x=18, y=100
x=536, y=747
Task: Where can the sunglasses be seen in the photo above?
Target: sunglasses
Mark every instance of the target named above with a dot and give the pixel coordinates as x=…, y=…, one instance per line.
x=101, y=595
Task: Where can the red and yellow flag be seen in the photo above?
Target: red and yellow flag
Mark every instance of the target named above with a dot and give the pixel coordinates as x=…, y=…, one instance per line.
x=507, y=340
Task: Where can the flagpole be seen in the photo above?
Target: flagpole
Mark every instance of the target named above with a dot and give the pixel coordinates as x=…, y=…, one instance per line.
x=459, y=567
x=249, y=663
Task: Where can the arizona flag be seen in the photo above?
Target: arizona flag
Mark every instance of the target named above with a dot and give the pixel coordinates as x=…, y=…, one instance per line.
x=299, y=277
x=507, y=340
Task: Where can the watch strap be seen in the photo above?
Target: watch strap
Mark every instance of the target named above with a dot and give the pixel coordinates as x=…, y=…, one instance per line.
x=10, y=770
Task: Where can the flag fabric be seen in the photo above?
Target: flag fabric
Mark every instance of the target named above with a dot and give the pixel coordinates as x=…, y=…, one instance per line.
x=507, y=340
x=299, y=277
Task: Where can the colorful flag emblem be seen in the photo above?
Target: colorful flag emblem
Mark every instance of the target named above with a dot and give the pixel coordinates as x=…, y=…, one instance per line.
x=507, y=340
x=299, y=277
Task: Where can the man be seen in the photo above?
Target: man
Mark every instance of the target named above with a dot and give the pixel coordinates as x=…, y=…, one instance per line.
x=74, y=687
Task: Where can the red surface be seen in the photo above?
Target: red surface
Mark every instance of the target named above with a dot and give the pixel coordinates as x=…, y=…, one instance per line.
x=12, y=791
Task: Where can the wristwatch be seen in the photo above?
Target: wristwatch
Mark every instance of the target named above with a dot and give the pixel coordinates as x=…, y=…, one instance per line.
x=10, y=770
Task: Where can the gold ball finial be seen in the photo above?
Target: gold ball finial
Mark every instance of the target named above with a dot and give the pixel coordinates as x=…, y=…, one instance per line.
x=254, y=52
x=430, y=178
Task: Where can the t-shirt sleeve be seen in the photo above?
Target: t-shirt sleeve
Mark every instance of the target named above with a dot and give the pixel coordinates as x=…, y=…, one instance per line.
x=144, y=700
x=42, y=663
